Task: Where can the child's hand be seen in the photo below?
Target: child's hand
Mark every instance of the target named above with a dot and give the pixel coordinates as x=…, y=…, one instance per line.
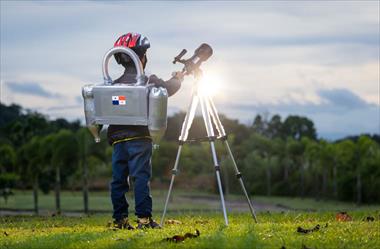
x=178, y=75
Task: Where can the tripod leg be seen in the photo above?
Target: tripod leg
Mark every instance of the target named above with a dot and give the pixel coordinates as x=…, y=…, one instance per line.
x=210, y=133
x=174, y=173
x=219, y=126
x=215, y=117
x=239, y=176
x=182, y=138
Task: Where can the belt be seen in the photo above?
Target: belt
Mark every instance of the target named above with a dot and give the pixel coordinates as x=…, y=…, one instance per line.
x=129, y=139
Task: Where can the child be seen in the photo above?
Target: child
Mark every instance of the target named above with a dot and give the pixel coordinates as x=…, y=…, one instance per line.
x=132, y=145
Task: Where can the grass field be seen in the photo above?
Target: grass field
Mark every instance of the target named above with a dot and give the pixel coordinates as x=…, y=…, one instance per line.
x=181, y=201
x=274, y=230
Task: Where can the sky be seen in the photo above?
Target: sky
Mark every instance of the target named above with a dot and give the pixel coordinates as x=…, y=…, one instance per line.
x=317, y=59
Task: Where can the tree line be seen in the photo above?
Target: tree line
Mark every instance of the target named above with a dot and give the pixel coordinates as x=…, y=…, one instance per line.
x=276, y=157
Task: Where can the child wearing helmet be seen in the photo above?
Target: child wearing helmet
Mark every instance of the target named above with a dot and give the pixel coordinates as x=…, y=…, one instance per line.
x=132, y=145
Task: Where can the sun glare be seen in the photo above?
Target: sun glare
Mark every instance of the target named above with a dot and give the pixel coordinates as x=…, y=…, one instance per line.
x=209, y=85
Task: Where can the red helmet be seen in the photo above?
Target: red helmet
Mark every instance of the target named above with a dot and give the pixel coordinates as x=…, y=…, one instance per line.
x=137, y=42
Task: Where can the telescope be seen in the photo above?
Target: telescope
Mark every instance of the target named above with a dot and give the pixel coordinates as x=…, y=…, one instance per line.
x=191, y=65
x=211, y=120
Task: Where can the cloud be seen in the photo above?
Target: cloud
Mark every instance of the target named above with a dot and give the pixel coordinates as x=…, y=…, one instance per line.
x=343, y=98
x=31, y=88
x=332, y=101
x=307, y=58
x=60, y=108
x=340, y=112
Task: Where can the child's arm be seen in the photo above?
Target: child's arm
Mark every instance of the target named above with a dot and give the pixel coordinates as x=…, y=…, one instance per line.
x=172, y=85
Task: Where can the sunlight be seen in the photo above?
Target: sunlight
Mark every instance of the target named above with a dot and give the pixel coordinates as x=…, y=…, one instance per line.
x=210, y=84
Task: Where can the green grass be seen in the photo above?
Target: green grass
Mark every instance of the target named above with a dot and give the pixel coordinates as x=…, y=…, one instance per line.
x=274, y=230
x=181, y=200
x=310, y=204
x=99, y=201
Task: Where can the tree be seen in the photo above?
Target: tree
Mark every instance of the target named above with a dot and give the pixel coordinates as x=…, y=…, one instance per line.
x=365, y=152
x=61, y=123
x=31, y=165
x=46, y=154
x=163, y=159
x=346, y=160
x=371, y=176
x=232, y=126
x=259, y=125
x=9, y=114
x=174, y=126
x=312, y=156
x=296, y=150
x=8, y=175
x=253, y=169
x=64, y=156
x=265, y=149
x=25, y=127
x=82, y=138
x=87, y=148
x=7, y=158
x=298, y=127
x=275, y=127
x=334, y=157
x=327, y=161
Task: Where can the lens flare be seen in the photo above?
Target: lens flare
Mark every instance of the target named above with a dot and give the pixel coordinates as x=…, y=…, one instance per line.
x=209, y=85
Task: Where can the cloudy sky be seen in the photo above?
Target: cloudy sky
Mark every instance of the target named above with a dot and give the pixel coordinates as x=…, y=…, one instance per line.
x=318, y=59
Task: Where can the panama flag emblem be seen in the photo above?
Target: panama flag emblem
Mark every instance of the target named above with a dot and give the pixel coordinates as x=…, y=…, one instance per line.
x=118, y=100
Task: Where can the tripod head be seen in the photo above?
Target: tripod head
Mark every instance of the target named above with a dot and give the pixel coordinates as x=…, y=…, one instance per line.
x=191, y=65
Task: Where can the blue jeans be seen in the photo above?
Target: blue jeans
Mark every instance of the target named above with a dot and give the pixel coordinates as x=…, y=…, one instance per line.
x=131, y=159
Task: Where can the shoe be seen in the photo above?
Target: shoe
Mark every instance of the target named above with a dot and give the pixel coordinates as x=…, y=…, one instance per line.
x=147, y=222
x=122, y=224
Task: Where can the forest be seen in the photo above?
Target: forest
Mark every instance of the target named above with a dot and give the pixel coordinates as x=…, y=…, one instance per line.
x=276, y=156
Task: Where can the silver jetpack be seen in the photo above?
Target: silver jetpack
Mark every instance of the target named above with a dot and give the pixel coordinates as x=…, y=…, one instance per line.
x=138, y=103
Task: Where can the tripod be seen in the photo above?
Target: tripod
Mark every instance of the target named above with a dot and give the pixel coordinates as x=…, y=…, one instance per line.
x=210, y=115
